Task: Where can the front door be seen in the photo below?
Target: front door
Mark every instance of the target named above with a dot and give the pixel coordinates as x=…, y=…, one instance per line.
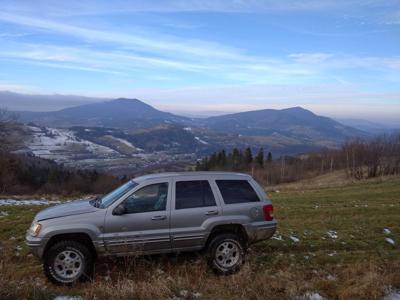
x=144, y=226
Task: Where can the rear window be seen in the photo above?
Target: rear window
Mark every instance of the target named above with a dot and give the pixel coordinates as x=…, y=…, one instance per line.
x=195, y=193
x=237, y=191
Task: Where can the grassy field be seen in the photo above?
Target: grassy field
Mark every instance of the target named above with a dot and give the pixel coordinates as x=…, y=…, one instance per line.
x=331, y=242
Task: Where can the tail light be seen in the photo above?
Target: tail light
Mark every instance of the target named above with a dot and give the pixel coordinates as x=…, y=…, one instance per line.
x=268, y=212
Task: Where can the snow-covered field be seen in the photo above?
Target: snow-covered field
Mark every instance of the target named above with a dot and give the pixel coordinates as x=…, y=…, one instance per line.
x=126, y=143
x=200, y=140
x=59, y=144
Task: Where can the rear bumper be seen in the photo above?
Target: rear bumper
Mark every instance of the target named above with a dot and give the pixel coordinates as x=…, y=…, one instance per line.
x=35, y=245
x=261, y=231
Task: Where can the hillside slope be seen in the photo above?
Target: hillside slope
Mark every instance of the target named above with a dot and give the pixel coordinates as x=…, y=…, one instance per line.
x=295, y=122
x=122, y=112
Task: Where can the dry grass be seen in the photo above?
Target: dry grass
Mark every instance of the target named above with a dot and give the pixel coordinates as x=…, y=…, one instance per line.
x=335, y=179
x=358, y=264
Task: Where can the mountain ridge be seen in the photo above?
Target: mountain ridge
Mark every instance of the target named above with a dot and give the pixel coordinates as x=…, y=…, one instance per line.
x=290, y=128
x=120, y=113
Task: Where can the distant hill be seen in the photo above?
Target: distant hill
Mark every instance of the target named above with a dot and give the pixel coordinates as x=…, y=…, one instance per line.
x=119, y=113
x=368, y=126
x=28, y=102
x=295, y=122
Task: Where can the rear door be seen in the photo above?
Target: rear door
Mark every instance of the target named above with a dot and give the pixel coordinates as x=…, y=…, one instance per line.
x=194, y=202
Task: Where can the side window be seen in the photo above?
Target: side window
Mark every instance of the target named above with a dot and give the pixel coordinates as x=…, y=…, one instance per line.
x=152, y=197
x=237, y=191
x=195, y=193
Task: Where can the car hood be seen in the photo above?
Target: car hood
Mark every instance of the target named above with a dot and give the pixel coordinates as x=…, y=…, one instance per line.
x=67, y=209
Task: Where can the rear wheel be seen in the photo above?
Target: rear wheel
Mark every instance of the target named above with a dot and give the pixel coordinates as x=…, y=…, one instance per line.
x=226, y=253
x=67, y=262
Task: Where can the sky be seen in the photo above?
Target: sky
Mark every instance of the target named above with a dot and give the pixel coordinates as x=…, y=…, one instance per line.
x=337, y=58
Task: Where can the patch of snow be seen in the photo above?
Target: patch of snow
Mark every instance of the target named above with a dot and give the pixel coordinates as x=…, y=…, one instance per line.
x=294, y=239
x=393, y=295
x=200, y=140
x=277, y=237
x=332, y=253
x=13, y=202
x=331, y=277
x=187, y=128
x=3, y=214
x=196, y=295
x=390, y=241
x=184, y=293
x=386, y=231
x=313, y=296
x=332, y=234
x=125, y=142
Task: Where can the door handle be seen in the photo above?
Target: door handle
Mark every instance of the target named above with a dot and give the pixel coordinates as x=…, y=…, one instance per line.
x=212, y=212
x=156, y=218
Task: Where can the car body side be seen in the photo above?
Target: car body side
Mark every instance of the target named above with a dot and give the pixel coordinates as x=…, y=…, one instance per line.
x=175, y=230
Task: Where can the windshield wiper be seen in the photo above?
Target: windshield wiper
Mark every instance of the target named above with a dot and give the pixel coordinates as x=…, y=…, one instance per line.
x=96, y=202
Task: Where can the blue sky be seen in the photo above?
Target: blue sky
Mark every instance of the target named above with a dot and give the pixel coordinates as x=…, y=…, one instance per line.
x=337, y=58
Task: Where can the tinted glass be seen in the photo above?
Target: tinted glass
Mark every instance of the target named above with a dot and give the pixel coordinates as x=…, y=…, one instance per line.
x=152, y=197
x=191, y=194
x=237, y=191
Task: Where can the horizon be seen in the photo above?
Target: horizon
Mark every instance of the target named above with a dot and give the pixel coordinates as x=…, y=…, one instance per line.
x=336, y=58
x=189, y=114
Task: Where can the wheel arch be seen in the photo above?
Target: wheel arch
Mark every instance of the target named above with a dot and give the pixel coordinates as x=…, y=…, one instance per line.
x=237, y=229
x=80, y=237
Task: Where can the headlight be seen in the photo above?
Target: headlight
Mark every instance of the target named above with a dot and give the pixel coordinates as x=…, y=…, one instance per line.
x=35, y=229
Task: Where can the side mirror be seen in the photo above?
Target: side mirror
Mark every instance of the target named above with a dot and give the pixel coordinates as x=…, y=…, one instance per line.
x=119, y=210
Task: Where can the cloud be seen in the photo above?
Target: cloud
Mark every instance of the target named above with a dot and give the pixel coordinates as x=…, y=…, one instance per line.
x=155, y=44
x=311, y=58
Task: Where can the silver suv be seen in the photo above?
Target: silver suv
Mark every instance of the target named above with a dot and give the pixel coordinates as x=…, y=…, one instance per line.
x=170, y=212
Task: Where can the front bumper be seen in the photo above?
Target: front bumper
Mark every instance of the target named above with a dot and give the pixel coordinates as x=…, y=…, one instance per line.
x=35, y=244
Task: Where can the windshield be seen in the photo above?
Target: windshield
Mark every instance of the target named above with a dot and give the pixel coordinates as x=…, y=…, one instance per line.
x=109, y=198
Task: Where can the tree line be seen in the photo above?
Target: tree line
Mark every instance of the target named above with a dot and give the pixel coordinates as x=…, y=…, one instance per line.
x=27, y=174
x=359, y=158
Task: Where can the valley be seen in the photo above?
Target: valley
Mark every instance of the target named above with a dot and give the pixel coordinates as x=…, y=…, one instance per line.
x=128, y=136
x=88, y=149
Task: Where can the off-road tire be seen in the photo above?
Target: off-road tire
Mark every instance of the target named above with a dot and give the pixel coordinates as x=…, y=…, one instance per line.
x=220, y=243
x=87, y=262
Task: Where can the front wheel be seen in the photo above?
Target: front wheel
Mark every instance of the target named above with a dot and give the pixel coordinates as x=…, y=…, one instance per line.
x=226, y=253
x=67, y=262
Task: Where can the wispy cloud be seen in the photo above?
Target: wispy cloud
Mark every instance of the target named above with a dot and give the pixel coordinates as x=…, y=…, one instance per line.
x=135, y=41
x=311, y=58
